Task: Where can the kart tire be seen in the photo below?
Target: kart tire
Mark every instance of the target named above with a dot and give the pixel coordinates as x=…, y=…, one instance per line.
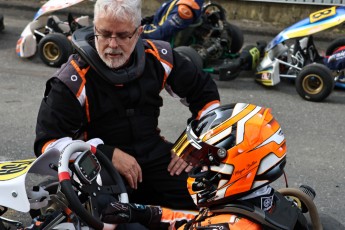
x=314, y=82
x=236, y=35
x=54, y=49
x=191, y=54
x=334, y=45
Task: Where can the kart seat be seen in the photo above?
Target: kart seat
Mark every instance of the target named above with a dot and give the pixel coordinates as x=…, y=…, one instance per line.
x=83, y=21
x=57, y=25
x=278, y=50
x=77, y=23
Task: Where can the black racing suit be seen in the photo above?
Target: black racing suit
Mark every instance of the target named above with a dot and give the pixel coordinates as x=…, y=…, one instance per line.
x=79, y=104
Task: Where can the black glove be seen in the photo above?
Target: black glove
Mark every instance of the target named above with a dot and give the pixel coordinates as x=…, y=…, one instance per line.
x=119, y=213
x=147, y=20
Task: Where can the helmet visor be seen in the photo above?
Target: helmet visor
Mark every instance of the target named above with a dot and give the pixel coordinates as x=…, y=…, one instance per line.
x=194, y=151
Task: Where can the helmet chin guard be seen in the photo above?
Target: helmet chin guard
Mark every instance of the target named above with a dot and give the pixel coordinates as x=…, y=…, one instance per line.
x=83, y=42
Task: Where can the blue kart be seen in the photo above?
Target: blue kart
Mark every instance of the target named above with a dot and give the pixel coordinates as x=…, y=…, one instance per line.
x=315, y=76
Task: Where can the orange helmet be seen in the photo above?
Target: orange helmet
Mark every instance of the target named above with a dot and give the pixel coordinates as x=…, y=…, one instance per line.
x=234, y=149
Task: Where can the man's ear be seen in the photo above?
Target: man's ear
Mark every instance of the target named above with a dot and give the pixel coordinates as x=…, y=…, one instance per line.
x=140, y=30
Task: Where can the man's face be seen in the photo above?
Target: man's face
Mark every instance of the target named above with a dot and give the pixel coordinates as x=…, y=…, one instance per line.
x=115, y=40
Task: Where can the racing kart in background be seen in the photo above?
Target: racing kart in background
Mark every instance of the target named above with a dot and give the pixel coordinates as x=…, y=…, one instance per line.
x=48, y=35
x=300, y=60
x=215, y=45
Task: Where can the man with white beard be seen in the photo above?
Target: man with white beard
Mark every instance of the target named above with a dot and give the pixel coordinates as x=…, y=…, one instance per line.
x=108, y=94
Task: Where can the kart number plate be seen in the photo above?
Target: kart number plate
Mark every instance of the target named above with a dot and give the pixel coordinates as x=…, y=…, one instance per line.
x=321, y=14
x=12, y=169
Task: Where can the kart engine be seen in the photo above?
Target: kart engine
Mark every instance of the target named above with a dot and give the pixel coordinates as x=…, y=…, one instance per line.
x=212, y=37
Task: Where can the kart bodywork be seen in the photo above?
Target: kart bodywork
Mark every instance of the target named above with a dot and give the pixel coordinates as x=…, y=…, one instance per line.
x=48, y=35
x=13, y=191
x=287, y=61
x=48, y=202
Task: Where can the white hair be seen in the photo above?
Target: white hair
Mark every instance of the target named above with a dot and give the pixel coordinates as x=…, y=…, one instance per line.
x=119, y=10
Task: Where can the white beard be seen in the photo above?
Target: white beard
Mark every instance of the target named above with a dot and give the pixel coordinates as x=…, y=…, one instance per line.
x=112, y=62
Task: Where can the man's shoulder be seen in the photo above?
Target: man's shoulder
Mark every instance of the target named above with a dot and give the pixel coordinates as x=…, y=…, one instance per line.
x=73, y=64
x=160, y=49
x=70, y=73
x=148, y=43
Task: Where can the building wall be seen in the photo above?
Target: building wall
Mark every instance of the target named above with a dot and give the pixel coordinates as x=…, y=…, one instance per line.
x=275, y=12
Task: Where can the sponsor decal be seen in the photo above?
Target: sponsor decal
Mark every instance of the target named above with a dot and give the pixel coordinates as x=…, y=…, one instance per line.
x=266, y=202
x=13, y=169
x=322, y=14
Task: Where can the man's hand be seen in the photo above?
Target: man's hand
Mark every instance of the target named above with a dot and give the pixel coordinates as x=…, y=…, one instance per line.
x=177, y=165
x=127, y=167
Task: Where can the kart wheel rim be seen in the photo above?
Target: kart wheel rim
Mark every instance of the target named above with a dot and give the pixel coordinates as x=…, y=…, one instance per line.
x=312, y=84
x=51, y=51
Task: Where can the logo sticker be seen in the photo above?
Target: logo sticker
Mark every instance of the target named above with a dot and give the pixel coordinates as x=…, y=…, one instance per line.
x=13, y=169
x=266, y=202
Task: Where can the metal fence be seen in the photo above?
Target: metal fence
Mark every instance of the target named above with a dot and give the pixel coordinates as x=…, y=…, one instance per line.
x=307, y=2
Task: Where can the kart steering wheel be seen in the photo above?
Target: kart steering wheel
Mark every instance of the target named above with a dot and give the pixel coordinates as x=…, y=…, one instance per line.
x=92, y=189
x=214, y=8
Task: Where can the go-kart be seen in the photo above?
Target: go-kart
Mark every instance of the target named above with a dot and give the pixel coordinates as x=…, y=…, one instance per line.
x=48, y=35
x=214, y=44
x=69, y=194
x=300, y=60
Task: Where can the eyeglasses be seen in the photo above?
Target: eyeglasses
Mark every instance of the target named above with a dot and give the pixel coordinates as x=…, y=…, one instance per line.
x=121, y=38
